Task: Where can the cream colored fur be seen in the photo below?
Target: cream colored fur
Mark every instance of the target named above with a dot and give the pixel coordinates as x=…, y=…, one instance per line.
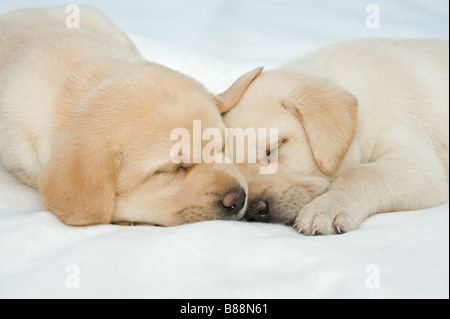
x=364, y=127
x=87, y=122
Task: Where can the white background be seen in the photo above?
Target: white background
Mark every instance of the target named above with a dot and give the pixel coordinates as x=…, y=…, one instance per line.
x=401, y=255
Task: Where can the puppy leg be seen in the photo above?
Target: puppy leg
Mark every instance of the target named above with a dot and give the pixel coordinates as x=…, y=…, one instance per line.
x=389, y=184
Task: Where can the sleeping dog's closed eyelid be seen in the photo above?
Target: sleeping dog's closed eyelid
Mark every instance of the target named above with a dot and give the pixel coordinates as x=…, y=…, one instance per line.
x=173, y=169
x=164, y=170
x=281, y=141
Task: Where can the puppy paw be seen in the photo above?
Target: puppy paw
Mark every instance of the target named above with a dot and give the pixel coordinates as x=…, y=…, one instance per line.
x=325, y=216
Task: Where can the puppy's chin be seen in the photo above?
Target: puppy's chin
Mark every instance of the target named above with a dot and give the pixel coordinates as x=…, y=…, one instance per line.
x=197, y=214
x=276, y=220
x=129, y=223
x=283, y=207
x=167, y=219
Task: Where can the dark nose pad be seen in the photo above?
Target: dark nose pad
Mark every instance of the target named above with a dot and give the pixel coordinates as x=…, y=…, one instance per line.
x=258, y=211
x=234, y=201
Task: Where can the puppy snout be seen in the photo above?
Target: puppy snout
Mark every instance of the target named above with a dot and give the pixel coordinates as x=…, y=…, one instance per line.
x=258, y=211
x=234, y=201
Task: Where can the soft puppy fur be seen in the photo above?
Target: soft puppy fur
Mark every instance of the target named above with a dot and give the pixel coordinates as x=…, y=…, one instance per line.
x=87, y=122
x=363, y=129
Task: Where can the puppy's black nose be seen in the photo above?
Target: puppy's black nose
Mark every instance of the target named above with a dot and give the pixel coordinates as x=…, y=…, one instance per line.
x=234, y=200
x=258, y=211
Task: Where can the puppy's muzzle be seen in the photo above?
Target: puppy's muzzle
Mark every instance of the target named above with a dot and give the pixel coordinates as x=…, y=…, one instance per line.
x=233, y=201
x=258, y=211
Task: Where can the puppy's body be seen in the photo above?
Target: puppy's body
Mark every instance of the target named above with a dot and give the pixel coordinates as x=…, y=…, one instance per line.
x=87, y=122
x=372, y=120
x=402, y=92
x=45, y=69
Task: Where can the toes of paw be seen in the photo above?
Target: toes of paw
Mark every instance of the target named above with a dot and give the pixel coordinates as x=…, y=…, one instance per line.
x=346, y=222
x=321, y=224
x=339, y=229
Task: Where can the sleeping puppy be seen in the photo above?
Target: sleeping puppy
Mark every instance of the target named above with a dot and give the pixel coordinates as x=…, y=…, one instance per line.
x=87, y=122
x=363, y=129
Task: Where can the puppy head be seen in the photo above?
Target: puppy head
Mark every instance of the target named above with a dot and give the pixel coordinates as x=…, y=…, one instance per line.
x=316, y=122
x=112, y=162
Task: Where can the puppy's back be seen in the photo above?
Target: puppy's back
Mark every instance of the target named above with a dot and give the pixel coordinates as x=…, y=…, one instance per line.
x=400, y=85
x=25, y=20
x=45, y=69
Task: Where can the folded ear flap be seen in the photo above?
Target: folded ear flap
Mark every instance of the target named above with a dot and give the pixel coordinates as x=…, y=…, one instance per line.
x=329, y=116
x=78, y=184
x=228, y=99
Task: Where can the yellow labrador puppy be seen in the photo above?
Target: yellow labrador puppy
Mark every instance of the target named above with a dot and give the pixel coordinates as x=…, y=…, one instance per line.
x=363, y=129
x=87, y=122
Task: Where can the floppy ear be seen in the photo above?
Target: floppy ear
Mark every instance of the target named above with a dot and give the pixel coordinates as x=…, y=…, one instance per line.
x=78, y=184
x=228, y=99
x=329, y=116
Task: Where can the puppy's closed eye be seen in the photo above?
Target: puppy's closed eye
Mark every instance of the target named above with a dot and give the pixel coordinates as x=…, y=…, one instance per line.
x=271, y=149
x=175, y=169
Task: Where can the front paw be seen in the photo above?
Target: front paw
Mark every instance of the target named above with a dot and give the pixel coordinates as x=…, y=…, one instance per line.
x=327, y=216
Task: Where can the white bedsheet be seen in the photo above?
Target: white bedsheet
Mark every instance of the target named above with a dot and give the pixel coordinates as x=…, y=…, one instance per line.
x=398, y=255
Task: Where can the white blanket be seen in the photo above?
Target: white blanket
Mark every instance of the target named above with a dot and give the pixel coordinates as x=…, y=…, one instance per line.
x=397, y=255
